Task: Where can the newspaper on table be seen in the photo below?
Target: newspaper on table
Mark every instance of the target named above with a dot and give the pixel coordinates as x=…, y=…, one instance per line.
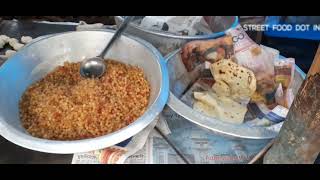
x=201, y=146
x=197, y=145
x=116, y=154
x=155, y=151
x=147, y=147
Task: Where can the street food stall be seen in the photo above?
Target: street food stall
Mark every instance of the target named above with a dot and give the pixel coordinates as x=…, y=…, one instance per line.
x=172, y=90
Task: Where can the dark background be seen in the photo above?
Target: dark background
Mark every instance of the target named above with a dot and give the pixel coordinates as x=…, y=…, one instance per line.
x=300, y=49
x=107, y=20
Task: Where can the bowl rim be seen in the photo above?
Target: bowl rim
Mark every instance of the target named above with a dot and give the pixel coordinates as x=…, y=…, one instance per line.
x=215, y=125
x=197, y=37
x=76, y=146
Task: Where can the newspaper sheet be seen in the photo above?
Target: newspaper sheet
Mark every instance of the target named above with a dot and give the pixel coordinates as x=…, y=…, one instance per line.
x=116, y=154
x=155, y=151
x=200, y=146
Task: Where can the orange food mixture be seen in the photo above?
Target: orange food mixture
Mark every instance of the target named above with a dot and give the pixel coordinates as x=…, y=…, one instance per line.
x=65, y=106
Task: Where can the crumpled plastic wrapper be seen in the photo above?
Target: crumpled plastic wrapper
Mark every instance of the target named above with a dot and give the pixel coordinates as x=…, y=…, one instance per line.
x=179, y=25
x=260, y=60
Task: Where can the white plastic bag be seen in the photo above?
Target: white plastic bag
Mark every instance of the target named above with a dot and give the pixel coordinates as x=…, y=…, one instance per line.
x=181, y=25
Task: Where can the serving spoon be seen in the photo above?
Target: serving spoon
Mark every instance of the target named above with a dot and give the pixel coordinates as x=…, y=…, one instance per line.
x=95, y=67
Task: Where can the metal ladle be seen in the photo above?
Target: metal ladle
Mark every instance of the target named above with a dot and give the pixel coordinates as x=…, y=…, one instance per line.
x=95, y=67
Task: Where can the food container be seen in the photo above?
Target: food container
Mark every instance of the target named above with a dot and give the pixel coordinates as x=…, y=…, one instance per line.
x=40, y=57
x=181, y=81
x=166, y=42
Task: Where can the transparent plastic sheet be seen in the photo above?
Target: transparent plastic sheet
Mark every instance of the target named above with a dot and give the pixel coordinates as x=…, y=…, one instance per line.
x=284, y=74
x=284, y=71
x=260, y=60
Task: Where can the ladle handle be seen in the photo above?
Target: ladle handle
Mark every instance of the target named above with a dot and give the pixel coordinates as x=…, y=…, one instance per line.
x=117, y=34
